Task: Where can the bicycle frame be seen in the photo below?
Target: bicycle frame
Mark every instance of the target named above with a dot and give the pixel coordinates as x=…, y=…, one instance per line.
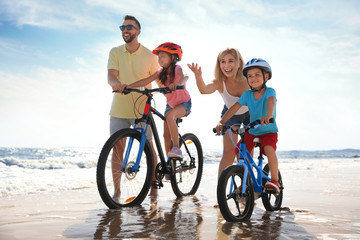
x=246, y=161
x=148, y=118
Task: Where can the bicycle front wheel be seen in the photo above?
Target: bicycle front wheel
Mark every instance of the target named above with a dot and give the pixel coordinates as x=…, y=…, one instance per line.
x=124, y=185
x=233, y=205
x=187, y=171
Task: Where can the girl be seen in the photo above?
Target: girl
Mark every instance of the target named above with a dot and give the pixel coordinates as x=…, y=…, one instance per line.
x=179, y=101
x=230, y=83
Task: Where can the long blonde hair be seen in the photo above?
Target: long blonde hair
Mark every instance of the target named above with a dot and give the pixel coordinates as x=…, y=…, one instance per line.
x=236, y=54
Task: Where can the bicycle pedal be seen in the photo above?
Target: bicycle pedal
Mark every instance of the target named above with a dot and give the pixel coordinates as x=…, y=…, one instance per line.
x=157, y=184
x=185, y=166
x=271, y=190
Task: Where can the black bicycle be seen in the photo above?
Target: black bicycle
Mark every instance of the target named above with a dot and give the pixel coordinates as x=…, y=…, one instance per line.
x=125, y=167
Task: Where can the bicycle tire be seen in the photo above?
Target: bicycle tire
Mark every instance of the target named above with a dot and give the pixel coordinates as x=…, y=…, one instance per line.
x=133, y=186
x=233, y=207
x=186, y=180
x=270, y=201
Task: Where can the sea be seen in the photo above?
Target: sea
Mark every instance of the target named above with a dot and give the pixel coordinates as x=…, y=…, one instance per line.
x=37, y=170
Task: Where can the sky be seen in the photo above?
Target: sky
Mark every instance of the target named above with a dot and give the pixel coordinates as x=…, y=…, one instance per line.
x=53, y=66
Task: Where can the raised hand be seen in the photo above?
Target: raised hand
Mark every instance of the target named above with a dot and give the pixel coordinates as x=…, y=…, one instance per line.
x=195, y=68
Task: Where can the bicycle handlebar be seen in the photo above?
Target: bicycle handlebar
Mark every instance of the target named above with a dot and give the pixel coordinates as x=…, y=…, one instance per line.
x=146, y=91
x=254, y=124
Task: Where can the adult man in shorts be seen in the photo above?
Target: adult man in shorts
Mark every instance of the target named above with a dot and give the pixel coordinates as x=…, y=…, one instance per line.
x=128, y=63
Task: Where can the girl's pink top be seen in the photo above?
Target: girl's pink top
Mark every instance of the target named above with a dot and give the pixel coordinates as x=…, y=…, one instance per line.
x=178, y=96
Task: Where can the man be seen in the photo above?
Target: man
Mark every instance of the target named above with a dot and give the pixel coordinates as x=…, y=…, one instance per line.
x=128, y=63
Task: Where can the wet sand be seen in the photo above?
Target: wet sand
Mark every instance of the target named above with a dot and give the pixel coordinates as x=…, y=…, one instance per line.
x=316, y=206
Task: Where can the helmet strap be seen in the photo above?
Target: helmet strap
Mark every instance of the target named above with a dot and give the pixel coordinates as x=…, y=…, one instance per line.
x=174, y=58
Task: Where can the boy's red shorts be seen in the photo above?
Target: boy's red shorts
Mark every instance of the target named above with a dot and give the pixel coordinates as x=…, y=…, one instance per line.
x=269, y=139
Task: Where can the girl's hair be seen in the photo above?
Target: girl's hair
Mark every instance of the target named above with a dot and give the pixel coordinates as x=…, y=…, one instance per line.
x=163, y=74
x=238, y=59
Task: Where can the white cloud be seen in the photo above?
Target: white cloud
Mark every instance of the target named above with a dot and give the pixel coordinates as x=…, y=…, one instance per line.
x=53, y=15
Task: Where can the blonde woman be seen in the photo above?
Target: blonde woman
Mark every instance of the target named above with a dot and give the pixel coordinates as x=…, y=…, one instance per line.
x=231, y=84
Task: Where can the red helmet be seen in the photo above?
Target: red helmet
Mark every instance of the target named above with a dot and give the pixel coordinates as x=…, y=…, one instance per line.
x=170, y=48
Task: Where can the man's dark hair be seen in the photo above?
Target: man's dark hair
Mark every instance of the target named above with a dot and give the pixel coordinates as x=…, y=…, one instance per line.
x=129, y=17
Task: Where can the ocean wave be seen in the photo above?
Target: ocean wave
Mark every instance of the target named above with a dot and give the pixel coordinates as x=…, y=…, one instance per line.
x=45, y=170
x=48, y=163
x=68, y=158
x=49, y=158
x=343, y=153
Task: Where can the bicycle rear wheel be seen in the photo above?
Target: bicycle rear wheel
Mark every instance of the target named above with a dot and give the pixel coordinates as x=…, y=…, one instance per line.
x=187, y=171
x=124, y=187
x=234, y=206
x=271, y=201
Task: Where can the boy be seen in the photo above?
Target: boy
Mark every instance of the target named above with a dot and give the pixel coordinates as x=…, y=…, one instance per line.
x=261, y=102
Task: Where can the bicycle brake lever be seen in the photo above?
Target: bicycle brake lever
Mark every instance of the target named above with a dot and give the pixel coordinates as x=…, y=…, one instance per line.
x=257, y=123
x=165, y=90
x=168, y=90
x=223, y=131
x=125, y=91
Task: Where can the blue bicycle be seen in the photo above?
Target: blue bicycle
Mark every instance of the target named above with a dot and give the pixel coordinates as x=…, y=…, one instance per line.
x=238, y=184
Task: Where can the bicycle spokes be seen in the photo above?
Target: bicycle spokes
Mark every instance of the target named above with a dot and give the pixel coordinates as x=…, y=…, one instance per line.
x=187, y=171
x=120, y=182
x=233, y=204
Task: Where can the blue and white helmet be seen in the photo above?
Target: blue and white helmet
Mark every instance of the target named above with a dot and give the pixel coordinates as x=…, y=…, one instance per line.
x=257, y=62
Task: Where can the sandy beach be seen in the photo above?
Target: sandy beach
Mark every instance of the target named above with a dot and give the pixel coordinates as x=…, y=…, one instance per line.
x=317, y=205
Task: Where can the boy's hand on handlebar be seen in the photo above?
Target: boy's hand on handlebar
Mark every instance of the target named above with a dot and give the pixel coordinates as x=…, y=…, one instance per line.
x=266, y=120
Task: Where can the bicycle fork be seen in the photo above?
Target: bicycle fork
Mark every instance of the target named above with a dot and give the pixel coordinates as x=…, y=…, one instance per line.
x=136, y=166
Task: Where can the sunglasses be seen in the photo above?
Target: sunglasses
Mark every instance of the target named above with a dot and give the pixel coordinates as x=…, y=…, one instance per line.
x=128, y=27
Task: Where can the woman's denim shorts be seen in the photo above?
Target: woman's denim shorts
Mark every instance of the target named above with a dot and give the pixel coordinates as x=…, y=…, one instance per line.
x=242, y=118
x=187, y=106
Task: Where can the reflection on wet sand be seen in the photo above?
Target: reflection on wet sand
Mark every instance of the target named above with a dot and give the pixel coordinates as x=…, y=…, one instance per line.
x=263, y=225
x=152, y=221
x=188, y=218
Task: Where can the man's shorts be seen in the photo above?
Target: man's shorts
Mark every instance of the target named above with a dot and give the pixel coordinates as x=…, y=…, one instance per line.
x=120, y=123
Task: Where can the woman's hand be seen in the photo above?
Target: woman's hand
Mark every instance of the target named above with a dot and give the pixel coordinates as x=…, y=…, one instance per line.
x=195, y=68
x=219, y=128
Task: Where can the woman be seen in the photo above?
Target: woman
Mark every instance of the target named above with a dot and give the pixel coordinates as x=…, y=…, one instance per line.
x=231, y=84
